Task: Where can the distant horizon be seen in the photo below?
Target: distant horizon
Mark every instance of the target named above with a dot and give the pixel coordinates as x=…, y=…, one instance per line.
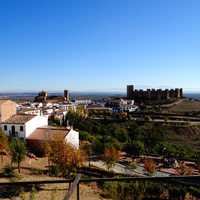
x=87, y=91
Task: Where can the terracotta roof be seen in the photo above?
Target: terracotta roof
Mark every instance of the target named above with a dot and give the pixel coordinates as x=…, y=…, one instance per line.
x=47, y=133
x=18, y=119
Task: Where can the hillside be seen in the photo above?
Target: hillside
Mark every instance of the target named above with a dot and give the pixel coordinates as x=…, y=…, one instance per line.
x=185, y=105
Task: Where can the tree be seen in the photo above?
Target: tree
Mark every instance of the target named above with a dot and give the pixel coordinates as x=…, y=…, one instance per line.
x=66, y=156
x=3, y=143
x=48, y=151
x=88, y=150
x=162, y=148
x=134, y=148
x=18, y=152
x=110, y=157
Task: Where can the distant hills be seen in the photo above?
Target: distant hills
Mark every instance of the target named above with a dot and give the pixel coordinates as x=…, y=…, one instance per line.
x=192, y=95
x=93, y=95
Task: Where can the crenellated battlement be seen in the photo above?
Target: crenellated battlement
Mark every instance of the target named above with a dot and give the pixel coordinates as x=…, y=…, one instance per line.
x=153, y=94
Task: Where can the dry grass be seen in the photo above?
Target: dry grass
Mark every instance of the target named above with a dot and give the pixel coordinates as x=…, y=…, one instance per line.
x=186, y=106
x=46, y=191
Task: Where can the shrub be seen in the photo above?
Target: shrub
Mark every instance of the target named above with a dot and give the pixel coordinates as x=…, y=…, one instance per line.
x=65, y=173
x=9, y=170
x=124, y=191
x=196, y=193
x=154, y=190
x=177, y=192
x=54, y=193
x=54, y=170
x=22, y=193
x=32, y=194
x=36, y=171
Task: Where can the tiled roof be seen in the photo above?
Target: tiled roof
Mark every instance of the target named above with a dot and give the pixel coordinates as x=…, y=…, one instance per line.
x=18, y=119
x=47, y=133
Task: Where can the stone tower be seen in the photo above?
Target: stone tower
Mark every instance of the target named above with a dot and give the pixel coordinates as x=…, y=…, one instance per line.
x=66, y=95
x=130, y=91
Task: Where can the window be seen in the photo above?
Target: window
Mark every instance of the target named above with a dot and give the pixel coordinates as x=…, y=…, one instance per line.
x=5, y=127
x=21, y=128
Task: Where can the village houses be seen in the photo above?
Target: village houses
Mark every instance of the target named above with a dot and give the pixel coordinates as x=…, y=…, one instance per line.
x=32, y=127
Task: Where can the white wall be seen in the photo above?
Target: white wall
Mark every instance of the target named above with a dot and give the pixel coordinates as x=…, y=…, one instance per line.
x=73, y=138
x=34, y=123
x=20, y=134
x=28, y=127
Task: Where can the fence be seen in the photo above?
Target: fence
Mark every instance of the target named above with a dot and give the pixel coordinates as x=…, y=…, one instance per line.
x=74, y=183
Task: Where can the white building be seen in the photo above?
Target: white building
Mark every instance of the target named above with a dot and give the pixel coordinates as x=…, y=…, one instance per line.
x=39, y=136
x=82, y=101
x=30, y=111
x=21, y=126
x=127, y=108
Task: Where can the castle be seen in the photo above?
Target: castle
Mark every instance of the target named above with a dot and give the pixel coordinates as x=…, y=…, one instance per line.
x=153, y=94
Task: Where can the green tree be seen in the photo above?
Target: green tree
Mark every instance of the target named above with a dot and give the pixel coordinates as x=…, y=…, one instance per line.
x=3, y=143
x=117, y=132
x=134, y=148
x=18, y=152
x=162, y=148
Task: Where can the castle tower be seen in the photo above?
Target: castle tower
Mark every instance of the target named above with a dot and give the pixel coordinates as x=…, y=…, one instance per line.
x=181, y=92
x=130, y=89
x=66, y=95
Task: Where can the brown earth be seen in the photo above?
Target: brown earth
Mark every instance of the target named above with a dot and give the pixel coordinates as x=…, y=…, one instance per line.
x=46, y=191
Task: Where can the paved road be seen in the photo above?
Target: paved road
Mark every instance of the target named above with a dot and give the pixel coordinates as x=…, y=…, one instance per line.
x=119, y=168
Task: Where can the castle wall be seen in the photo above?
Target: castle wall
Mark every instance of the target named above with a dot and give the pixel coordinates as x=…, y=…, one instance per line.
x=153, y=94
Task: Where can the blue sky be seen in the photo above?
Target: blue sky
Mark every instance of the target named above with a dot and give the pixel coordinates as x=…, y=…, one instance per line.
x=99, y=45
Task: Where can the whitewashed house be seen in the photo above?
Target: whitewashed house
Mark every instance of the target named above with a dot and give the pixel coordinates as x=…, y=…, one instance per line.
x=21, y=126
x=39, y=136
x=82, y=101
x=127, y=108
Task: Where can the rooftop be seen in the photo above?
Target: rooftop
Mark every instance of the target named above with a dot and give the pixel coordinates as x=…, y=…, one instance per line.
x=48, y=133
x=18, y=119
